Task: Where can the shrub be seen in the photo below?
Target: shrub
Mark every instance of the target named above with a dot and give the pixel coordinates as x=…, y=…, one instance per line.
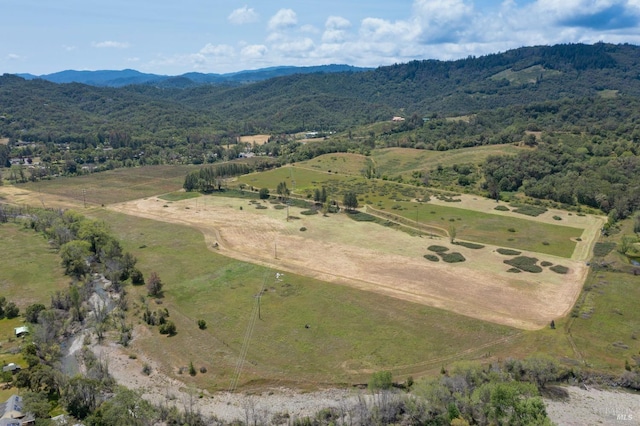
x=511, y=229
x=603, y=249
x=557, y=218
x=437, y=249
x=168, y=328
x=432, y=257
x=508, y=252
x=381, y=380
x=202, y=324
x=529, y=210
x=559, y=269
x=309, y=212
x=361, y=217
x=203, y=370
x=502, y=208
x=454, y=257
x=279, y=207
x=261, y=207
x=514, y=270
x=136, y=277
x=473, y=246
x=154, y=285
x=192, y=369
x=263, y=193
x=11, y=310
x=545, y=263
x=302, y=229
x=146, y=369
x=527, y=264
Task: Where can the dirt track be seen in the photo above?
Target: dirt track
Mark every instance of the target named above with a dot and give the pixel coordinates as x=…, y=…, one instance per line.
x=374, y=258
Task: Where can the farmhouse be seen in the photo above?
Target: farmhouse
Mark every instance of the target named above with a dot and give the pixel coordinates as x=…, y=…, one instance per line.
x=397, y=119
x=11, y=413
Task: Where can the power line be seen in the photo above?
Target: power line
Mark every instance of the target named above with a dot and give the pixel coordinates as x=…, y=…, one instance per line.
x=255, y=313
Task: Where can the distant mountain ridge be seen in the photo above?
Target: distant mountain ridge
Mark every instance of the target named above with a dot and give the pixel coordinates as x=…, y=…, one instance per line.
x=126, y=77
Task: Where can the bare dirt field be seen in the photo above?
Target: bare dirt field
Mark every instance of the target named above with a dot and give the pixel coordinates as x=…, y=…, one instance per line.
x=373, y=258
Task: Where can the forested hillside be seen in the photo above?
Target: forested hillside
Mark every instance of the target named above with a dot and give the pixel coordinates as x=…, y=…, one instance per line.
x=575, y=106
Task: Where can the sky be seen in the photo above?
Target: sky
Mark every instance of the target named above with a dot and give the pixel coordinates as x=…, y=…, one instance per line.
x=222, y=36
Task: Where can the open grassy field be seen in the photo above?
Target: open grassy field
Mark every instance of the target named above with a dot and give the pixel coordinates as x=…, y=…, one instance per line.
x=116, y=185
x=508, y=230
x=607, y=327
x=31, y=269
x=500, y=230
x=255, y=139
x=390, y=297
x=393, y=161
x=351, y=332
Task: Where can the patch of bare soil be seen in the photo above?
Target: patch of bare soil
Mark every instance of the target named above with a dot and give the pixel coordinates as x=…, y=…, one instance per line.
x=595, y=407
x=159, y=388
x=373, y=258
x=578, y=407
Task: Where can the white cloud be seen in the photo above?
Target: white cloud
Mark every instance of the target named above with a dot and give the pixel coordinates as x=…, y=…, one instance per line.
x=243, y=15
x=295, y=47
x=69, y=48
x=335, y=29
x=13, y=57
x=217, y=50
x=283, y=19
x=111, y=44
x=442, y=20
x=254, y=51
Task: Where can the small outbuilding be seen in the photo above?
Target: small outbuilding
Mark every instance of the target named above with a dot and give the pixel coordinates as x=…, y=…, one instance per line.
x=21, y=331
x=11, y=367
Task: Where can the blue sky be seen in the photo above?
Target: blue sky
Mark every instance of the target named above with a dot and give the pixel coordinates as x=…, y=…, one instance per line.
x=40, y=37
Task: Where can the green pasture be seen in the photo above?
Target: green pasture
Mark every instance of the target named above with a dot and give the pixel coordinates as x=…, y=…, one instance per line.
x=394, y=161
x=299, y=180
x=31, y=269
x=607, y=324
x=491, y=229
x=350, y=332
x=179, y=196
x=117, y=185
x=343, y=163
x=398, y=199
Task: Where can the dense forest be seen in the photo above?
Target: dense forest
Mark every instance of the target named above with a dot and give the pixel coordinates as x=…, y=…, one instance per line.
x=575, y=106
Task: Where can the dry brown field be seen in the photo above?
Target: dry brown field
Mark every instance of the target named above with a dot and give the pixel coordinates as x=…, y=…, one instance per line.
x=374, y=258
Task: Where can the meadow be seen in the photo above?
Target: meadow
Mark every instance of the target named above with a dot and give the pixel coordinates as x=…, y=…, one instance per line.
x=516, y=231
x=351, y=332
